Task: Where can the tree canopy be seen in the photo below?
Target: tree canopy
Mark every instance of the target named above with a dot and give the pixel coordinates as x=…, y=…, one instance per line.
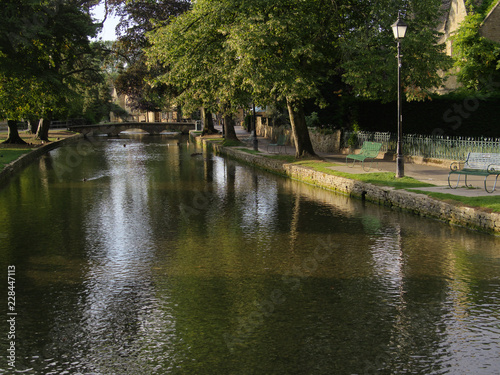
x=45, y=55
x=284, y=50
x=369, y=49
x=136, y=19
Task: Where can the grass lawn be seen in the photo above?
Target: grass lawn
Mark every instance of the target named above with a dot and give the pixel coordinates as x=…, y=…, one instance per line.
x=8, y=155
x=54, y=135
x=487, y=203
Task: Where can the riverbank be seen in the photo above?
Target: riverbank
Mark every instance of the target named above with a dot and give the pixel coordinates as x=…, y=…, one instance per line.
x=31, y=151
x=424, y=200
x=416, y=201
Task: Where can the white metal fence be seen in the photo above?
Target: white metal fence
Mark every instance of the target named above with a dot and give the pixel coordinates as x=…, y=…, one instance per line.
x=429, y=146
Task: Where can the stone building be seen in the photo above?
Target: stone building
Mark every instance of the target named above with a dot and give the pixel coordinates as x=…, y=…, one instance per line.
x=139, y=116
x=491, y=25
x=455, y=12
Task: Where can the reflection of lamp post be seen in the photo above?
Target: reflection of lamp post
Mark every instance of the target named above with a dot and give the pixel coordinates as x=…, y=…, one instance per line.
x=399, y=30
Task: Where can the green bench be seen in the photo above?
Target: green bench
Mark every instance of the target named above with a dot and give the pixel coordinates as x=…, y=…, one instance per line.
x=369, y=150
x=280, y=143
x=476, y=164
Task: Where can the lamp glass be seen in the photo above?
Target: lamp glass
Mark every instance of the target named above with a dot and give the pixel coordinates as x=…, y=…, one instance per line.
x=399, y=29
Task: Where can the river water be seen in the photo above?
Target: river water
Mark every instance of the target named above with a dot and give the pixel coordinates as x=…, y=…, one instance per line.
x=142, y=256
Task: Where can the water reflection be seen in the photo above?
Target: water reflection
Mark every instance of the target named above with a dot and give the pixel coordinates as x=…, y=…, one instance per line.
x=161, y=258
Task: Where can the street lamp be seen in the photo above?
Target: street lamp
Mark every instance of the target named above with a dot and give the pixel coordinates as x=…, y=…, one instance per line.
x=399, y=30
x=254, y=122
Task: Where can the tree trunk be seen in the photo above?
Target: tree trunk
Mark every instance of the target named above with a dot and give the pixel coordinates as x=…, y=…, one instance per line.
x=32, y=126
x=13, y=135
x=208, y=122
x=303, y=145
x=43, y=129
x=229, y=132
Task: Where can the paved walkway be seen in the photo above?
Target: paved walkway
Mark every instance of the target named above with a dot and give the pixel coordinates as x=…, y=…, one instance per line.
x=423, y=172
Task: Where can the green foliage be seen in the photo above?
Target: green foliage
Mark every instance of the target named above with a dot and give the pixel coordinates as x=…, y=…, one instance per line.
x=192, y=53
x=247, y=123
x=313, y=120
x=369, y=49
x=277, y=114
x=285, y=48
x=219, y=52
x=353, y=140
x=477, y=59
x=45, y=57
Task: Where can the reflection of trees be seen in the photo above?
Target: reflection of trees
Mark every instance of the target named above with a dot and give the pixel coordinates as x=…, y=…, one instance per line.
x=135, y=280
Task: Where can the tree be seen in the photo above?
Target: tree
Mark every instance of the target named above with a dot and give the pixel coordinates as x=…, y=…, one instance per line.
x=286, y=50
x=136, y=19
x=43, y=45
x=13, y=105
x=231, y=53
x=369, y=49
x=196, y=62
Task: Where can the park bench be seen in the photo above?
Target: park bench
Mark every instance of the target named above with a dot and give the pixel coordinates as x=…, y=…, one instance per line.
x=280, y=143
x=476, y=164
x=248, y=140
x=369, y=150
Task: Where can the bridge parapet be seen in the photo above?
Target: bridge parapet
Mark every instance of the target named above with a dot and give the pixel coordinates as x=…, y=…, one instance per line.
x=113, y=129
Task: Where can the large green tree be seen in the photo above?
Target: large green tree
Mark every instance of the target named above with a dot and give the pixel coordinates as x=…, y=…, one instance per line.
x=369, y=49
x=193, y=53
x=136, y=19
x=47, y=45
x=280, y=50
x=286, y=49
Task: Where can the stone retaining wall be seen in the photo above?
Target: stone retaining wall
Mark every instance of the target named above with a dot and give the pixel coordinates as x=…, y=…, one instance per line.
x=321, y=142
x=419, y=204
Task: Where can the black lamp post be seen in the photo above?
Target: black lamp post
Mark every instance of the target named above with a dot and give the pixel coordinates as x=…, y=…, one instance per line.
x=254, y=121
x=399, y=30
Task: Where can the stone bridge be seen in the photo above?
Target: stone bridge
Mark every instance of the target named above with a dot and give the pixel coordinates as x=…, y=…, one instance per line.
x=113, y=129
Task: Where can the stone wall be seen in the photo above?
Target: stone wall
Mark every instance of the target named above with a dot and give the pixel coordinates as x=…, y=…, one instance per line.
x=321, y=142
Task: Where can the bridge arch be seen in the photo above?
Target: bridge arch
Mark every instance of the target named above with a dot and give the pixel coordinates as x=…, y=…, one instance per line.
x=113, y=129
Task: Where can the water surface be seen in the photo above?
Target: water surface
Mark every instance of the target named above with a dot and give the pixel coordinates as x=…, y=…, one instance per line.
x=140, y=256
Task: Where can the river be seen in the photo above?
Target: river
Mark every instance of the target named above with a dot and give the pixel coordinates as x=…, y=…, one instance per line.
x=139, y=255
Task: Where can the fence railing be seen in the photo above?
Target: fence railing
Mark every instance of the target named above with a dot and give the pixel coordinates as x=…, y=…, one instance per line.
x=428, y=146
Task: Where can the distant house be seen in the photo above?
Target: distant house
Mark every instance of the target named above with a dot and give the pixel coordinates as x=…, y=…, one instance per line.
x=139, y=116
